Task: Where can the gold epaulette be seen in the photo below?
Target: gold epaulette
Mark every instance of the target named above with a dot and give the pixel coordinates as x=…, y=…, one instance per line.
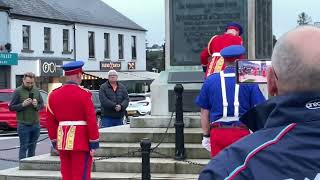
x=209, y=43
x=48, y=109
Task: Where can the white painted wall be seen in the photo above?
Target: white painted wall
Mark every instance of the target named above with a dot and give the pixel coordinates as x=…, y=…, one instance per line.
x=4, y=28
x=37, y=45
x=37, y=38
x=82, y=46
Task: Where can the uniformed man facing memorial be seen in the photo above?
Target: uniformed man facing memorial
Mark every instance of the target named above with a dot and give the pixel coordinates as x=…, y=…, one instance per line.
x=210, y=57
x=222, y=101
x=72, y=126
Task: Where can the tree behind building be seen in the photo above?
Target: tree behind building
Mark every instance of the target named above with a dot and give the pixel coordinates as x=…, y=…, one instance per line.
x=303, y=19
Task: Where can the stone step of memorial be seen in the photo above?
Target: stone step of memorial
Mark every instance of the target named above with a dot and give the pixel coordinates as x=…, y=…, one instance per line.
x=16, y=174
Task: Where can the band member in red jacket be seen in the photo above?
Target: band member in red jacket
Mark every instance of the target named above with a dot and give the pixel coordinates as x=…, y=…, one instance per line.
x=210, y=57
x=72, y=126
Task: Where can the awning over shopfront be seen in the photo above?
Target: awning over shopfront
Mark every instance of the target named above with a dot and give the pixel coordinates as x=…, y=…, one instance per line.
x=122, y=76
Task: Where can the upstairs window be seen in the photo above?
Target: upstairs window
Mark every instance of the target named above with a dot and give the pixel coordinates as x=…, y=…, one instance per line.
x=26, y=37
x=65, y=40
x=133, y=47
x=106, y=45
x=120, y=44
x=47, y=39
x=91, y=44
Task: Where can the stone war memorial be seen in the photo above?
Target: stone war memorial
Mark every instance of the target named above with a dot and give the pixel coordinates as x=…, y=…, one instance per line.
x=189, y=26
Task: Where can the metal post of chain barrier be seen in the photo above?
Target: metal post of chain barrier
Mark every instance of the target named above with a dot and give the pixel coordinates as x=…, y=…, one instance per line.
x=179, y=125
x=145, y=145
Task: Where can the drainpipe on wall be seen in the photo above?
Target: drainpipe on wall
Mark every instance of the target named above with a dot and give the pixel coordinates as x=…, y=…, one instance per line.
x=74, y=42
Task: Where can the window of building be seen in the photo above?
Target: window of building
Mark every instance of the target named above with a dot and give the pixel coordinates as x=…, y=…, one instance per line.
x=91, y=44
x=106, y=45
x=26, y=37
x=65, y=40
x=133, y=47
x=5, y=77
x=47, y=39
x=120, y=44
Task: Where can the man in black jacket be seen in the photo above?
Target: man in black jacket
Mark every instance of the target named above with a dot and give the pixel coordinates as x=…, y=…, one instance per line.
x=114, y=100
x=285, y=144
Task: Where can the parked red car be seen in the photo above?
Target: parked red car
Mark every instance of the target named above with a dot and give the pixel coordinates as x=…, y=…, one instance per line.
x=8, y=118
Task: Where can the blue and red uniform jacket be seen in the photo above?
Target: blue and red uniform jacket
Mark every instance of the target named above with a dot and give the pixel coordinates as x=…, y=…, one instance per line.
x=285, y=145
x=210, y=96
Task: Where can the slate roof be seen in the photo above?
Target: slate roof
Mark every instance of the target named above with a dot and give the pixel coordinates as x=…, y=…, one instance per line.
x=3, y=5
x=94, y=12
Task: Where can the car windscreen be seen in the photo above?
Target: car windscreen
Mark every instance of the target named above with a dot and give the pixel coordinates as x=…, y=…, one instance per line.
x=95, y=98
x=134, y=98
x=5, y=97
x=44, y=96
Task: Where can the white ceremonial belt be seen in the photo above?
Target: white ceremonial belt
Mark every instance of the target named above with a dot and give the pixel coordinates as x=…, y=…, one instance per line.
x=216, y=54
x=72, y=123
x=227, y=119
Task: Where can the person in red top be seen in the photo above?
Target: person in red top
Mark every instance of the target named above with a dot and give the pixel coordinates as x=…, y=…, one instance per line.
x=255, y=71
x=264, y=72
x=72, y=126
x=210, y=57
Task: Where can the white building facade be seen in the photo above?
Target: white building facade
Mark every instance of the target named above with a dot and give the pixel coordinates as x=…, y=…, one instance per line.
x=110, y=36
x=5, y=65
x=28, y=40
x=43, y=44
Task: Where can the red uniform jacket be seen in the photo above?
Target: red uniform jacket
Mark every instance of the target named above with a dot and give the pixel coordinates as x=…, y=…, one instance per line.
x=215, y=45
x=68, y=104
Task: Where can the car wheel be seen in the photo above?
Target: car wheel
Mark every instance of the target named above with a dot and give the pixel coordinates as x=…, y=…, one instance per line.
x=98, y=120
x=126, y=120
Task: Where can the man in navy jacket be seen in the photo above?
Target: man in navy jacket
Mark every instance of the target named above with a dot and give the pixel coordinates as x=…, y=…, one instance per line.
x=285, y=144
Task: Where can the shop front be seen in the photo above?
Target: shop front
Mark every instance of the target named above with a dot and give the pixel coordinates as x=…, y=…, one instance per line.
x=6, y=61
x=48, y=73
x=135, y=81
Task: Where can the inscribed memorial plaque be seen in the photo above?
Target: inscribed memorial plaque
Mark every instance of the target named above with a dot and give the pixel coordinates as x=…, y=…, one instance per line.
x=194, y=22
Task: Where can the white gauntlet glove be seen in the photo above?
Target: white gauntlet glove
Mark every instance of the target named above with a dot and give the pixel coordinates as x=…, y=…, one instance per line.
x=206, y=143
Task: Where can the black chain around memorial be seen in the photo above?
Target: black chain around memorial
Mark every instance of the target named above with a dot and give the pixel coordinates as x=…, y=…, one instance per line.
x=187, y=161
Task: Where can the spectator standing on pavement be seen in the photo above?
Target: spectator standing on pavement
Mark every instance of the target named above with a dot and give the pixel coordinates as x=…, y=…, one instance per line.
x=285, y=144
x=72, y=124
x=27, y=101
x=114, y=100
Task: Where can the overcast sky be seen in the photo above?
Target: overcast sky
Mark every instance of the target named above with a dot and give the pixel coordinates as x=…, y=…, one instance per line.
x=150, y=15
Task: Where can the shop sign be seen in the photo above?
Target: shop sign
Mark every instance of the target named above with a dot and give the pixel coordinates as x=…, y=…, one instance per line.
x=108, y=65
x=51, y=68
x=8, y=59
x=131, y=65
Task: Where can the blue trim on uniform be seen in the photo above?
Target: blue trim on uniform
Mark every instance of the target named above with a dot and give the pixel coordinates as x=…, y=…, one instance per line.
x=235, y=25
x=233, y=51
x=93, y=145
x=72, y=65
x=259, y=148
x=54, y=144
x=84, y=176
